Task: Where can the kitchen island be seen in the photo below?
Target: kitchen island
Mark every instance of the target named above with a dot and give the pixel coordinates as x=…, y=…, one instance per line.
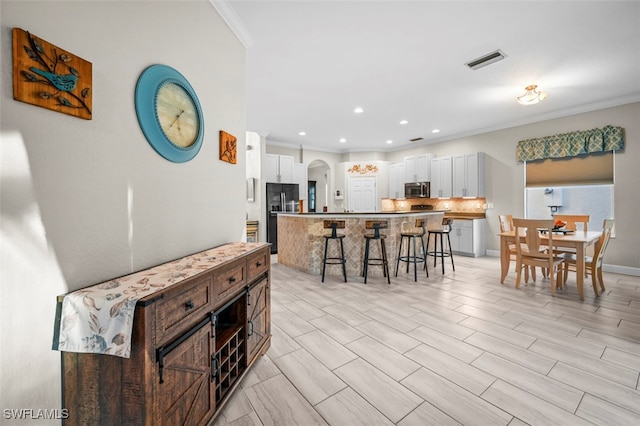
x=301, y=242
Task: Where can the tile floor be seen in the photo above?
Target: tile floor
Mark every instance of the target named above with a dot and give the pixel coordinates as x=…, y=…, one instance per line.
x=458, y=348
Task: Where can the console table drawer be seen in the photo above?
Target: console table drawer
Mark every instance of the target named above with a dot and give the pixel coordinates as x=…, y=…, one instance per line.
x=258, y=264
x=229, y=280
x=175, y=312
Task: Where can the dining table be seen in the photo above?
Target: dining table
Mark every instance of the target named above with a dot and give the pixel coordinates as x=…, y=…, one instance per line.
x=577, y=240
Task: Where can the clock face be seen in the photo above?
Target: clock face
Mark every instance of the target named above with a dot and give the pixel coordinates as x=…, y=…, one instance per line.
x=177, y=114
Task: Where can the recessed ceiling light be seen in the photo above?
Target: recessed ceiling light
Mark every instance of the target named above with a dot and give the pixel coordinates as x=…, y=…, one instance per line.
x=389, y=141
x=302, y=133
x=435, y=131
x=342, y=140
x=403, y=122
x=358, y=110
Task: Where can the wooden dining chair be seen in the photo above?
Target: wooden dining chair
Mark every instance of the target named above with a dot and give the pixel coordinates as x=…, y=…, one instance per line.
x=572, y=221
x=593, y=264
x=506, y=225
x=532, y=253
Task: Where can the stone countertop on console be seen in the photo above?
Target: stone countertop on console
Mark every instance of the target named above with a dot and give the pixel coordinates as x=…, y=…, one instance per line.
x=99, y=318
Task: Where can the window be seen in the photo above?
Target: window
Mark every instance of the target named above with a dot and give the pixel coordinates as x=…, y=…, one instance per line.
x=575, y=185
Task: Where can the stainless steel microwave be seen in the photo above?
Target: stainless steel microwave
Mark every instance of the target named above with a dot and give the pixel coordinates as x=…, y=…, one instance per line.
x=417, y=190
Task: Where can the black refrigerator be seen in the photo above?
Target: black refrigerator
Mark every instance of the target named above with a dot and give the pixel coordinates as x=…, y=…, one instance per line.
x=281, y=197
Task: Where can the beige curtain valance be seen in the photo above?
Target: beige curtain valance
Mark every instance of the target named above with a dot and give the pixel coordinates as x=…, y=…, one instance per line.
x=609, y=138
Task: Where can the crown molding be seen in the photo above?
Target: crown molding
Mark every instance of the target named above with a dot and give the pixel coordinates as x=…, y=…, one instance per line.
x=229, y=16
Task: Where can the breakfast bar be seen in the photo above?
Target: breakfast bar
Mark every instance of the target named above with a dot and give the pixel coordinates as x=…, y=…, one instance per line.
x=301, y=242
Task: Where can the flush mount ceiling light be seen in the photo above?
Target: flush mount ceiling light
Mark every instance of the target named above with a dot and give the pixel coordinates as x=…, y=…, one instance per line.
x=342, y=140
x=358, y=110
x=389, y=141
x=302, y=133
x=531, y=96
x=403, y=122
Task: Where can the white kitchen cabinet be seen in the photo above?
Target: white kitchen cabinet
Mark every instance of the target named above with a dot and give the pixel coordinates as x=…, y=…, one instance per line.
x=279, y=168
x=396, y=180
x=300, y=177
x=417, y=168
x=468, y=237
x=441, y=180
x=468, y=175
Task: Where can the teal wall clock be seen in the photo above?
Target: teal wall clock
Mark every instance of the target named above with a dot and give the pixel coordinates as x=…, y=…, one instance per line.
x=169, y=113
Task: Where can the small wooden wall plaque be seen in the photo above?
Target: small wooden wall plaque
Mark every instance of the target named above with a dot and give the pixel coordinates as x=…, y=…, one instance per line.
x=50, y=77
x=228, y=147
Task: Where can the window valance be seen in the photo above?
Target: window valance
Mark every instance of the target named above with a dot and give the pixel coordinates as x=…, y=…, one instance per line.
x=609, y=138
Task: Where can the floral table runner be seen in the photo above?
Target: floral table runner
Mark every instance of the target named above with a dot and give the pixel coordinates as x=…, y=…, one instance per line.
x=99, y=319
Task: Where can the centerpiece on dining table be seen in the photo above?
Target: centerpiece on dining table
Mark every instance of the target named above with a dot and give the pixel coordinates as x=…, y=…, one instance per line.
x=559, y=225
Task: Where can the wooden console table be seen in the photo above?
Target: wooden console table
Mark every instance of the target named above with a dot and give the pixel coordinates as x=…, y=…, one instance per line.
x=192, y=343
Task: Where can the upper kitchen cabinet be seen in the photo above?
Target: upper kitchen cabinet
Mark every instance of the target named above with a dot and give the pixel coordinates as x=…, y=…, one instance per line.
x=417, y=168
x=396, y=180
x=441, y=179
x=468, y=175
x=279, y=168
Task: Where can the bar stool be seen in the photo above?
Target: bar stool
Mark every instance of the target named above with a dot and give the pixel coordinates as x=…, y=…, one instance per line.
x=334, y=225
x=376, y=225
x=445, y=230
x=412, y=235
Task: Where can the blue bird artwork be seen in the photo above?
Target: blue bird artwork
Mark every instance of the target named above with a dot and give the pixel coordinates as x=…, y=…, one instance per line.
x=48, y=76
x=66, y=82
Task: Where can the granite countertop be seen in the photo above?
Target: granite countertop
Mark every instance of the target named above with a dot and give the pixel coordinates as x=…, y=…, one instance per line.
x=364, y=213
x=465, y=215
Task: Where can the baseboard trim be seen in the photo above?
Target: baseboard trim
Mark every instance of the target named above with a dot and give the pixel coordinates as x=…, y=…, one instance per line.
x=616, y=269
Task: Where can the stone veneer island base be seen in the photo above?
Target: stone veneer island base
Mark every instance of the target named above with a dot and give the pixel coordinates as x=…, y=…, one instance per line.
x=301, y=242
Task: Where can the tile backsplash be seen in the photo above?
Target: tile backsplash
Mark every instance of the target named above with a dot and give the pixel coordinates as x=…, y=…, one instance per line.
x=459, y=205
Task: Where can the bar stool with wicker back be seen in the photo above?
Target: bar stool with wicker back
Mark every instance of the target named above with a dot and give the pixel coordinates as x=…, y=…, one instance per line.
x=334, y=225
x=412, y=234
x=441, y=232
x=376, y=225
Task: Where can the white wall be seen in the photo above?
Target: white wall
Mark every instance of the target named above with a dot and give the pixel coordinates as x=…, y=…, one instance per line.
x=254, y=170
x=86, y=201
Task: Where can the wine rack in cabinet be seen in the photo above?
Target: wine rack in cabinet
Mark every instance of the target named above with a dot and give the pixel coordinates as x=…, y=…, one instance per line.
x=230, y=350
x=192, y=344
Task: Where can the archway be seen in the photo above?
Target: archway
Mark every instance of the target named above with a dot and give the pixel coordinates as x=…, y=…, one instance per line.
x=319, y=183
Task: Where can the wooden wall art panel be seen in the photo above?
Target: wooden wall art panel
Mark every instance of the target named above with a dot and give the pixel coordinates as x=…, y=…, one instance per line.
x=228, y=147
x=50, y=77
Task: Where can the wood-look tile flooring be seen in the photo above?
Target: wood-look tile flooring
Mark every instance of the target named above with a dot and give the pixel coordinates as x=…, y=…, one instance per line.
x=458, y=348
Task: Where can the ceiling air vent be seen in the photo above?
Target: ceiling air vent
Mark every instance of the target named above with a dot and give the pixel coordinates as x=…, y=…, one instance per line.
x=485, y=60
x=415, y=139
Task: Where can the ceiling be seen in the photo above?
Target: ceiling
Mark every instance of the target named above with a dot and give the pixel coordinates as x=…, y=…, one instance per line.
x=311, y=63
